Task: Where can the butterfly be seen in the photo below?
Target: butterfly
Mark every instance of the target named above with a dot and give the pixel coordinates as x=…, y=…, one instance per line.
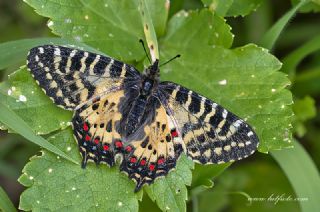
x=120, y=113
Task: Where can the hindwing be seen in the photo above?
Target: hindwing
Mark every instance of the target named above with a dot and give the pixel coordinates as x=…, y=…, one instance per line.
x=94, y=129
x=155, y=153
x=211, y=134
x=70, y=77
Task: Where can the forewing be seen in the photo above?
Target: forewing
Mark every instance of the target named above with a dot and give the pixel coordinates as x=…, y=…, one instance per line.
x=155, y=153
x=70, y=77
x=94, y=129
x=211, y=134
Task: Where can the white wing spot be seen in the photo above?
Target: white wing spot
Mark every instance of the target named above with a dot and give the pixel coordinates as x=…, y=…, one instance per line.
x=250, y=133
x=41, y=50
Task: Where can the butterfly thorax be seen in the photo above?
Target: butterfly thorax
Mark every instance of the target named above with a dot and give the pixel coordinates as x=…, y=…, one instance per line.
x=140, y=105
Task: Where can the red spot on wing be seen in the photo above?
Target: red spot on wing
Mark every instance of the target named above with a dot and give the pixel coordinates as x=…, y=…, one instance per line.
x=143, y=162
x=174, y=133
x=128, y=148
x=118, y=144
x=161, y=161
x=87, y=138
x=85, y=126
x=96, y=141
x=151, y=167
x=133, y=160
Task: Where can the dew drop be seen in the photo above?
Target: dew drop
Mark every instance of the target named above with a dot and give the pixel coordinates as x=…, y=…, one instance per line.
x=223, y=82
x=50, y=23
x=22, y=98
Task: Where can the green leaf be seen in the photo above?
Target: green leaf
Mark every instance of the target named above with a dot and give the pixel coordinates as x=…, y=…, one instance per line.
x=203, y=175
x=5, y=202
x=14, y=122
x=22, y=95
x=14, y=52
x=292, y=60
x=245, y=80
x=271, y=36
x=311, y=6
x=305, y=108
x=227, y=8
x=54, y=185
x=170, y=192
x=102, y=25
x=302, y=174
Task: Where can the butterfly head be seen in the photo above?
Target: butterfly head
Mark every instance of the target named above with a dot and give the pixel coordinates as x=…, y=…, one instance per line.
x=152, y=72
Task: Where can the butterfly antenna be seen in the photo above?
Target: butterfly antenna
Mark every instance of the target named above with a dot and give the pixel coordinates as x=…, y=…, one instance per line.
x=141, y=41
x=177, y=56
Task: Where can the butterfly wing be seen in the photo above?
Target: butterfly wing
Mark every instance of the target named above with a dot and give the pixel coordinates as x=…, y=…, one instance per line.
x=155, y=151
x=94, y=129
x=71, y=77
x=211, y=134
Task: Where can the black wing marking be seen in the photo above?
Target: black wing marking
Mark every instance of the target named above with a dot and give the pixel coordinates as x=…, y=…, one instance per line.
x=211, y=133
x=71, y=76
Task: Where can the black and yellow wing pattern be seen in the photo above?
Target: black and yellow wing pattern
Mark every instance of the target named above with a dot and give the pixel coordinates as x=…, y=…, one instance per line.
x=113, y=117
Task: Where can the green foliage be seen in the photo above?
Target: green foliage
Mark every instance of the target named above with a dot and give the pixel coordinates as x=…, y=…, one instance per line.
x=302, y=174
x=22, y=95
x=233, y=8
x=14, y=52
x=269, y=39
x=304, y=109
x=56, y=185
x=5, y=202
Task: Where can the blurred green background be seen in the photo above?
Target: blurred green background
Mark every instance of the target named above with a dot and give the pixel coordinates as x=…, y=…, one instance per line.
x=259, y=176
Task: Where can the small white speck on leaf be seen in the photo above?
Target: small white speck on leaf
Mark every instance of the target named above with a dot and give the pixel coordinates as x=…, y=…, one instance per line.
x=110, y=35
x=119, y=204
x=30, y=178
x=85, y=35
x=167, y=208
x=273, y=90
x=216, y=34
x=68, y=148
x=50, y=23
x=50, y=170
x=282, y=106
x=223, y=82
x=67, y=20
x=9, y=92
x=13, y=88
x=22, y=98
x=73, y=188
x=106, y=5
x=86, y=17
x=259, y=106
x=38, y=202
